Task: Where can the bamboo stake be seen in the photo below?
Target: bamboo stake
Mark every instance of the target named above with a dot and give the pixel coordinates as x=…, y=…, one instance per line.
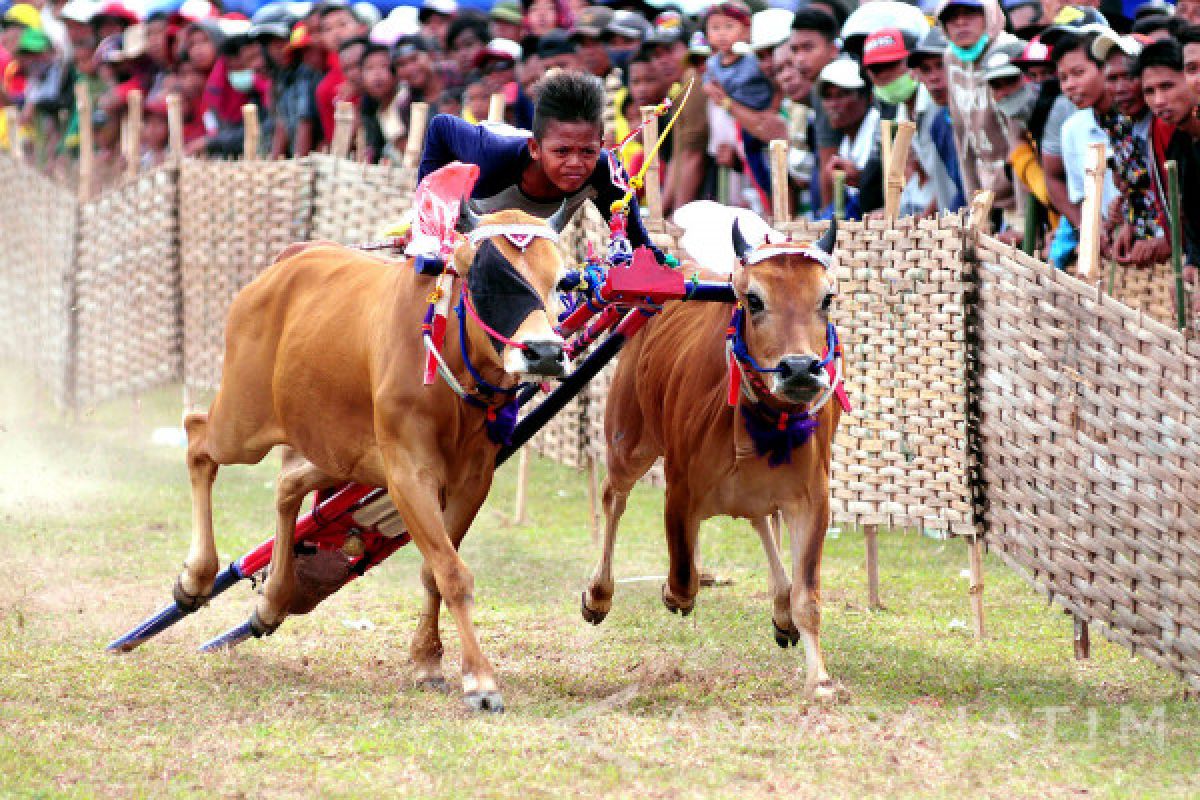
x=417, y=118
x=612, y=85
x=250, y=132
x=1093, y=199
x=175, y=127
x=1032, y=205
x=975, y=558
x=133, y=134
x=13, y=122
x=779, y=183
x=839, y=194
x=654, y=174
x=886, y=130
x=343, y=129
x=496, y=108
x=894, y=181
x=522, y=486
x=1082, y=639
x=87, y=141
x=981, y=207
x=1181, y=305
x=871, y=534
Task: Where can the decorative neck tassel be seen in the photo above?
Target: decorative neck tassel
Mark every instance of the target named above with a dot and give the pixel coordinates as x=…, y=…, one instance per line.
x=735, y=381
x=777, y=438
x=500, y=421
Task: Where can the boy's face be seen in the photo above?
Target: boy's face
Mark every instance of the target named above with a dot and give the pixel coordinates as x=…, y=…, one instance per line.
x=845, y=107
x=931, y=72
x=414, y=68
x=1082, y=80
x=723, y=32
x=379, y=82
x=476, y=100
x=1191, y=66
x=645, y=86
x=350, y=60
x=1167, y=94
x=1123, y=86
x=811, y=53
x=567, y=152
x=338, y=26
x=964, y=25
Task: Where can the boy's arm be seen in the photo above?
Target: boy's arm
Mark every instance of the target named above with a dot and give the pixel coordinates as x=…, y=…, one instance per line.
x=766, y=125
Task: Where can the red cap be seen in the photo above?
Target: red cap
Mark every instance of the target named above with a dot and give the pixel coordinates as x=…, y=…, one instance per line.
x=884, y=46
x=735, y=9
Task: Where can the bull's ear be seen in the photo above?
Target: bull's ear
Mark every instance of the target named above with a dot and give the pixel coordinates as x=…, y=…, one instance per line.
x=828, y=240
x=468, y=220
x=741, y=247
x=560, y=218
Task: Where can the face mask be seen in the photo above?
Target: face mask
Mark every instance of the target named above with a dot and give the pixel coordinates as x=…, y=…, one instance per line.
x=971, y=54
x=1018, y=106
x=501, y=295
x=242, y=79
x=898, y=91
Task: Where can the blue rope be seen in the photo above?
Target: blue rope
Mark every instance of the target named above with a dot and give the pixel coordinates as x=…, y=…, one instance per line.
x=742, y=353
x=480, y=383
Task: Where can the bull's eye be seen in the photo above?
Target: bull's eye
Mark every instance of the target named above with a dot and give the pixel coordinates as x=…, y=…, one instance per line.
x=755, y=304
x=827, y=302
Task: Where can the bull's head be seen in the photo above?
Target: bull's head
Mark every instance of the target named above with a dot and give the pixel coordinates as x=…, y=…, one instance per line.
x=512, y=267
x=787, y=290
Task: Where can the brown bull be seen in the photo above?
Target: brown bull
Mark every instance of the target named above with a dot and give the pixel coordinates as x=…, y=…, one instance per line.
x=324, y=354
x=669, y=398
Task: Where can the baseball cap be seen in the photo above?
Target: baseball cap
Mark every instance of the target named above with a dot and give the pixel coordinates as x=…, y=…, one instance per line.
x=668, y=28
x=447, y=8
x=592, y=22
x=698, y=45
x=33, y=41
x=1036, y=52
x=412, y=44
x=1153, y=8
x=115, y=9
x=1000, y=65
x=629, y=24
x=885, y=46
x=556, y=43
x=961, y=3
x=301, y=37
x=770, y=28
x=80, y=11
x=730, y=8
x=1074, y=21
x=1131, y=44
x=25, y=15
x=507, y=12
x=843, y=72
x=932, y=43
x=498, y=50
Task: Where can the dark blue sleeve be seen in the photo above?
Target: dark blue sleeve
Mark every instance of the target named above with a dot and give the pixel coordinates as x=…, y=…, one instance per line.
x=498, y=157
x=608, y=193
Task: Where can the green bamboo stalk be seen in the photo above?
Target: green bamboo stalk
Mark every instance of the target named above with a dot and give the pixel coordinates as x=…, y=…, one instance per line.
x=1173, y=203
x=1029, y=244
x=839, y=194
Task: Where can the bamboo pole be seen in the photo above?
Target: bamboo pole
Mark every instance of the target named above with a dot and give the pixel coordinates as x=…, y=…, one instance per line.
x=522, y=486
x=496, y=108
x=871, y=535
x=1082, y=638
x=1093, y=199
x=975, y=558
x=1032, y=206
x=343, y=129
x=1173, y=210
x=886, y=131
x=175, y=127
x=894, y=180
x=250, y=133
x=839, y=194
x=133, y=133
x=13, y=121
x=780, y=210
x=612, y=85
x=654, y=174
x=417, y=118
x=981, y=207
x=87, y=141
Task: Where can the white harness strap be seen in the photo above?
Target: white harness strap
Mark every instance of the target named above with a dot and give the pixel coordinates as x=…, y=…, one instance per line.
x=520, y=235
x=815, y=253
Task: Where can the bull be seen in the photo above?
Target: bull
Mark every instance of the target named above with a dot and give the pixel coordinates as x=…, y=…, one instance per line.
x=738, y=411
x=324, y=356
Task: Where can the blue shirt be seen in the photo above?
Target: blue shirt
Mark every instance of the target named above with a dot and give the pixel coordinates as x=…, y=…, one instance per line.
x=502, y=157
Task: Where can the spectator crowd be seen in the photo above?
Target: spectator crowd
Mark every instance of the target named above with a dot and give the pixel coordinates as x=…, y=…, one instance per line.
x=1006, y=98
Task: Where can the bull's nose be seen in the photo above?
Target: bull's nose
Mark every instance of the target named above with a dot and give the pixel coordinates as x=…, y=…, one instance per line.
x=544, y=358
x=800, y=371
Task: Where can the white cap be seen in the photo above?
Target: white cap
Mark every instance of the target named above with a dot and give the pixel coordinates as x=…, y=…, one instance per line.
x=366, y=13
x=445, y=7
x=1103, y=45
x=843, y=72
x=770, y=28
x=80, y=11
x=1000, y=65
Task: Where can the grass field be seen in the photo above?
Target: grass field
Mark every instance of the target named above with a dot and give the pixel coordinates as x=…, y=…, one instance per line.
x=94, y=524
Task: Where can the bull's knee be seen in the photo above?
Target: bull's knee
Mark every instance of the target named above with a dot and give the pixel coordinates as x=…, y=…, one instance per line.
x=456, y=585
x=807, y=617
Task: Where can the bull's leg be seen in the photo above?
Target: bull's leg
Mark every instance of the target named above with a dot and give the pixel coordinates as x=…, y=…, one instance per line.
x=807, y=530
x=682, y=528
x=195, y=583
x=597, y=598
x=296, y=480
x=415, y=494
x=778, y=583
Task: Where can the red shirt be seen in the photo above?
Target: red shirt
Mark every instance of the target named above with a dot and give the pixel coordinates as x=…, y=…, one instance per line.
x=327, y=91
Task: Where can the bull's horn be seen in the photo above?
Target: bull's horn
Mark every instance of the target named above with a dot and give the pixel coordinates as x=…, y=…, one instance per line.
x=468, y=220
x=740, y=246
x=829, y=240
x=559, y=219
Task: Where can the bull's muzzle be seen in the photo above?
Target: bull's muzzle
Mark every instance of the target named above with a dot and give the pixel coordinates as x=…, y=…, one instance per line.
x=801, y=378
x=544, y=358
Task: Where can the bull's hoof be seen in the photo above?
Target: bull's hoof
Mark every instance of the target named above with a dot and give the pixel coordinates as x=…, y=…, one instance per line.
x=590, y=615
x=485, y=701
x=259, y=628
x=672, y=606
x=188, y=603
x=785, y=638
x=825, y=691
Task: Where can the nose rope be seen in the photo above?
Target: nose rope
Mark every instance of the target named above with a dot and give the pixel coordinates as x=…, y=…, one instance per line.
x=465, y=300
x=742, y=363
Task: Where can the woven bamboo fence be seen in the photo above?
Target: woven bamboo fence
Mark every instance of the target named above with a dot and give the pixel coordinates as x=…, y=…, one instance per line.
x=128, y=316
x=355, y=202
x=37, y=260
x=235, y=217
x=1088, y=447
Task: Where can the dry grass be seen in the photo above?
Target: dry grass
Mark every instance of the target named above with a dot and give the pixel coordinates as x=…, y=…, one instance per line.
x=93, y=522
